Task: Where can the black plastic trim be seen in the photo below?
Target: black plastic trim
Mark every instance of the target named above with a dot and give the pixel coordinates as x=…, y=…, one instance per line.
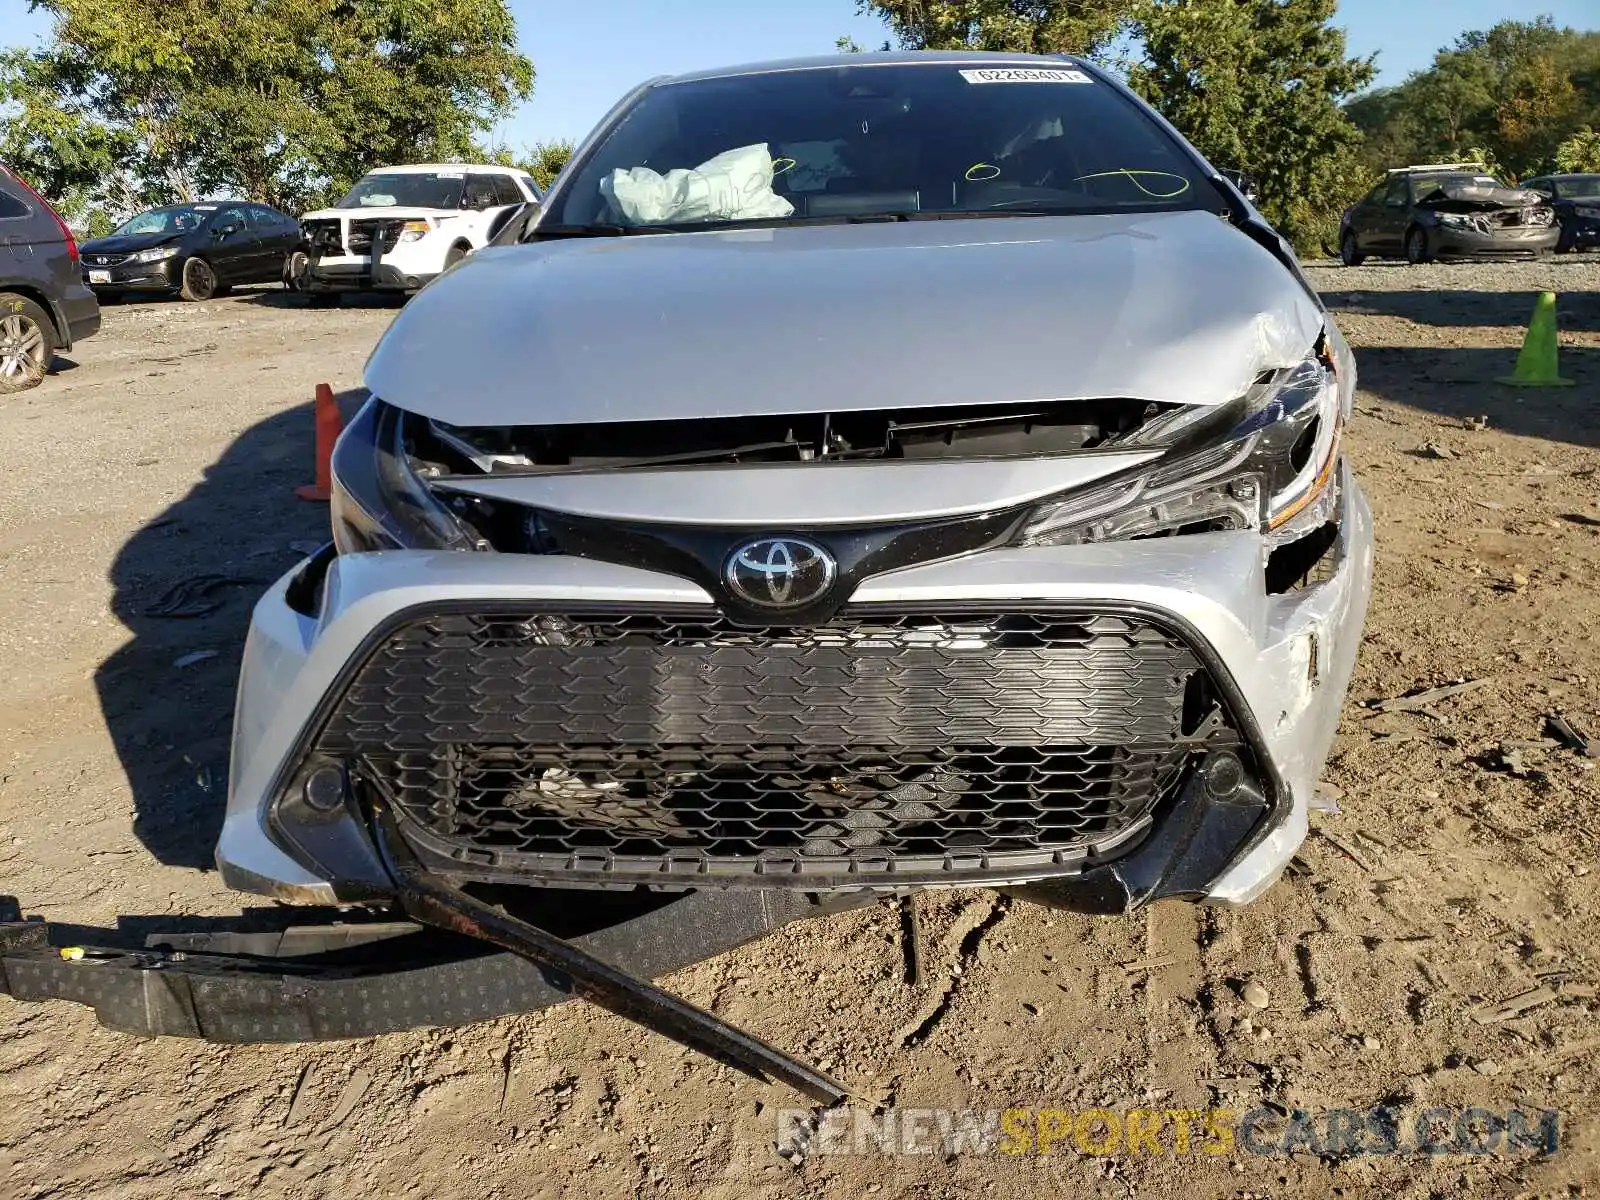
x=698, y=552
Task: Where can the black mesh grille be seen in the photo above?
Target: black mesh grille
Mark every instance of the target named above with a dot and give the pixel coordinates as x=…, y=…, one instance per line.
x=635, y=745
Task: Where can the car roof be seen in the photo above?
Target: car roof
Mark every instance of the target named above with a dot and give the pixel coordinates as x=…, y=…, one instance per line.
x=429, y=168
x=889, y=58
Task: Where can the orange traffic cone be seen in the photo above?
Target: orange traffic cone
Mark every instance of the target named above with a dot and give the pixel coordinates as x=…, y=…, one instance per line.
x=328, y=427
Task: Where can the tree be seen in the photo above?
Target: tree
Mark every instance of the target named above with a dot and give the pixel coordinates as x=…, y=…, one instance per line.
x=545, y=160
x=71, y=159
x=1033, y=26
x=1580, y=153
x=1518, y=91
x=542, y=160
x=1256, y=85
x=285, y=101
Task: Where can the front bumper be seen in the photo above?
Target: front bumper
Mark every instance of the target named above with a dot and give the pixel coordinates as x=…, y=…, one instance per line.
x=1287, y=658
x=1581, y=233
x=1525, y=242
x=362, y=276
x=162, y=276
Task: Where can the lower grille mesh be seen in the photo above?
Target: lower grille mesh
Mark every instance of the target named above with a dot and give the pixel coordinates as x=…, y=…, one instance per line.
x=632, y=746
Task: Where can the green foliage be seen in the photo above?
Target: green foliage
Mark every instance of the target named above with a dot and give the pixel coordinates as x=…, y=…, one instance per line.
x=286, y=101
x=1033, y=26
x=545, y=160
x=1580, y=153
x=1517, y=92
x=542, y=160
x=1256, y=86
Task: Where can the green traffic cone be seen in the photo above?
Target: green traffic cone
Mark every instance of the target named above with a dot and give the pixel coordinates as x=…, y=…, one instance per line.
x=1536, y=365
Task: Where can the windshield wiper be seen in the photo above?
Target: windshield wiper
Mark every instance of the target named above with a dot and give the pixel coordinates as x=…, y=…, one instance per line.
x=539, y=232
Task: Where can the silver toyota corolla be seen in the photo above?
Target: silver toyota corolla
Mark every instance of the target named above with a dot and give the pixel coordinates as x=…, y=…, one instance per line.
x=865, y=473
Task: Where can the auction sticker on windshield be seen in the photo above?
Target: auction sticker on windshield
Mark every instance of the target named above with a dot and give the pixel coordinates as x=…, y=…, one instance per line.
x=1024, y=75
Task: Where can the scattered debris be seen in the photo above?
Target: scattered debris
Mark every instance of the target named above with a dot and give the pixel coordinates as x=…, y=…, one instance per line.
x=194, y=656
x=1348, y=850
x=1486, y=1066
x=1491, y=505
x=1574, y=736
x=1371, y=1043
x=1420, y=700
x=195, y=597
x=1255, y=994
x=1434, y=450
x=1504, y=758
x=1151, y=964
x=1475, y=423
x=1513, y=763
x=1519, y=580
x=1505, y=1010
x=1326, y=798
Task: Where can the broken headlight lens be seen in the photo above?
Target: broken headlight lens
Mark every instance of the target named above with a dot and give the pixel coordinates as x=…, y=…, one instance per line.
x=1272, y=470
x=377, y=500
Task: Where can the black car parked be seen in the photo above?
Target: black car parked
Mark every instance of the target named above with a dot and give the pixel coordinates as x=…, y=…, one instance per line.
x=44, y=306
x=1577, y=202
x=1446, y=210
x=196, y=250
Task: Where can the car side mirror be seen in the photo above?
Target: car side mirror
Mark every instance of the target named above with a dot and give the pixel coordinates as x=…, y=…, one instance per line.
x=511, y=225
x=1245, y=183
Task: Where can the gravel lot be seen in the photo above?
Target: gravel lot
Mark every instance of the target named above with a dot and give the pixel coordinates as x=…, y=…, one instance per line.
x=1456, y=875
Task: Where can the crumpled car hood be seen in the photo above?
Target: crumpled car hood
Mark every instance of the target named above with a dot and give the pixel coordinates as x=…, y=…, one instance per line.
x=1170, y=307
x=1479, y=196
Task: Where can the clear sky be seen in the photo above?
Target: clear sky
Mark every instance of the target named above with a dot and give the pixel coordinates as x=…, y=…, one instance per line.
x=588, y=54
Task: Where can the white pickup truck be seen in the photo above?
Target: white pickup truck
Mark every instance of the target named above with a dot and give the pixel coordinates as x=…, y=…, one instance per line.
x=399, y=227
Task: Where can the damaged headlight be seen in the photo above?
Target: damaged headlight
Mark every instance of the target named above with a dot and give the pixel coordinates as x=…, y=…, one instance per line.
x=377, y=501
x=1272, y=469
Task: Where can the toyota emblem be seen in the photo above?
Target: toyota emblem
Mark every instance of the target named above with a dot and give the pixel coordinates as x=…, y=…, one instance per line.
x=779, y=572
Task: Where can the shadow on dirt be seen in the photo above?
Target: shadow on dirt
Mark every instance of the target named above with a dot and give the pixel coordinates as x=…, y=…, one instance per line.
x=249, y=292
x=283, y=298
x=184, y=586
x=1459, y=382
x=1577, y=308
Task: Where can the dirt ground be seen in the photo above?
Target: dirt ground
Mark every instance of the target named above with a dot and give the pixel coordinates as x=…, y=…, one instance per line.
x=1457, y=873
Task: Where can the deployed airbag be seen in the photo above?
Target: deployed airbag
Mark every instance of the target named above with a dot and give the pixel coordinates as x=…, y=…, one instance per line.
x=735, y=185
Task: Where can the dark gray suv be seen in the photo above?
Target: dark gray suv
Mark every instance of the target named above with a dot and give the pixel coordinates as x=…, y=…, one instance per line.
x=44, y=304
